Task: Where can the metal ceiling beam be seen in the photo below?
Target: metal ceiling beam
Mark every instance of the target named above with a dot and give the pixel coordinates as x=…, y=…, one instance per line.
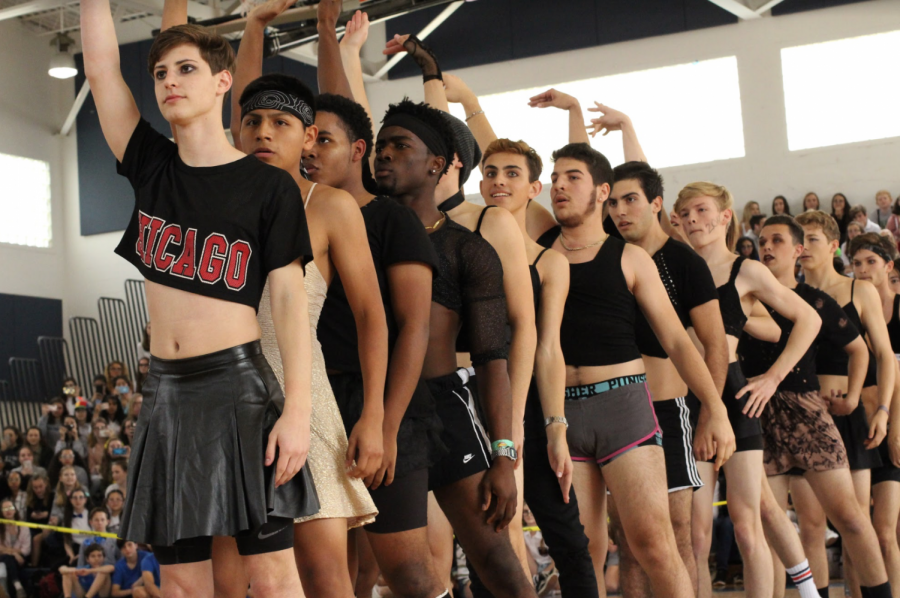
x=428, y=30
x=747, y=9
x=27, y=8
x=76, y=107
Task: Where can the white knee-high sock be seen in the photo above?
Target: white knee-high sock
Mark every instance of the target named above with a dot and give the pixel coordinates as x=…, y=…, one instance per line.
x=803, y=579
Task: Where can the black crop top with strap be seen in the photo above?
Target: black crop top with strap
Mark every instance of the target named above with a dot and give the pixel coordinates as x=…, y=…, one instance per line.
x=599, y=317
x=730, y=302
x=894, y=325
x=833, y=361
x=469, y=281
x=536, y=281
x=215, y=231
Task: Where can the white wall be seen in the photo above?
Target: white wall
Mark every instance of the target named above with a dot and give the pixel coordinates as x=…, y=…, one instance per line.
x=80, y=269
x=768, y=168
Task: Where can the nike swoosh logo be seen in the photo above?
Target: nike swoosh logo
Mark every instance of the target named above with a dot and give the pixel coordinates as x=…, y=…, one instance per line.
x=262, y=536
x=468, y=458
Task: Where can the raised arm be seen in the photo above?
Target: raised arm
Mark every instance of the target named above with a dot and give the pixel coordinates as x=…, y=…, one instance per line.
x=550, y=365
x=553, y=98
x=355, y=36
x=175, y=12
x=116, y=108
x=459, y=93
x=653, y=299
x=330, y=73
x=424, y=57
x=248, y=63
x=613, y=120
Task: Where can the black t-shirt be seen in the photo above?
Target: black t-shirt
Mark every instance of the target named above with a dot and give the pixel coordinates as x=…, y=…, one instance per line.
x=689, y=284
x=757, y=356
x=469, y=281
x=396, y=235
x=215, y=231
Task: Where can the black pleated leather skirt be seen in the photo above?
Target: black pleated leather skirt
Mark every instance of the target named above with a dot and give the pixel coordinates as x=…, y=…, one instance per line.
x=197, y=465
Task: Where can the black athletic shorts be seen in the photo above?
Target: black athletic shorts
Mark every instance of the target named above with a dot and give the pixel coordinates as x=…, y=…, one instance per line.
x=402, y=506
x=274, y=535
x=887, y=472
x=753, y=442
x=674, y=420
x=464, y=435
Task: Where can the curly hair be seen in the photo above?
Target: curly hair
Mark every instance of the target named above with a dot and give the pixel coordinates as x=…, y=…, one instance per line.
x=354, y=120
x=431, y=117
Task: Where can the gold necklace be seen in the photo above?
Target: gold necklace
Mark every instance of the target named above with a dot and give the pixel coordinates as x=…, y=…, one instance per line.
x=567, y=248
x=437, y=224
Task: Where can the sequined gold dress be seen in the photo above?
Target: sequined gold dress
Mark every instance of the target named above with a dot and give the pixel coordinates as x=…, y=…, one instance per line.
x=339, y=495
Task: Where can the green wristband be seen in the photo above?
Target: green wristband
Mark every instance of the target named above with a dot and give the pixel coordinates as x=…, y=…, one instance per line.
x=500, y=444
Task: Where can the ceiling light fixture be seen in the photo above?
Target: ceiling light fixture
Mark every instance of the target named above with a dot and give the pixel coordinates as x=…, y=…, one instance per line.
x=62, y=65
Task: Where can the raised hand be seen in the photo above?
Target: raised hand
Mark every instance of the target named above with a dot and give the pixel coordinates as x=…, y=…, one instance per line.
x=328, y=13
x=357, y=31
x=456, y=89
x=418, y=51
x=264, y=13
x=610, y=119
x=553, y=98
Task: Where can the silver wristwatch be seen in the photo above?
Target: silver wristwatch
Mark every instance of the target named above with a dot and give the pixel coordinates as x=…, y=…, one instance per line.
x=556, y=420
x=505, y=451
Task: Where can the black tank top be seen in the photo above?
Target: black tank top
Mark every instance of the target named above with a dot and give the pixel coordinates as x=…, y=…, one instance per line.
x=832, y=361
x=730, y=302
x=536, y=282
x=894, y=325
x=599, y=318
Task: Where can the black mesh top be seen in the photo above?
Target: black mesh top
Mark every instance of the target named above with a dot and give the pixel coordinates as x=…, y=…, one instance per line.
x=837, y=332
x=730, y=303
x=469, y=281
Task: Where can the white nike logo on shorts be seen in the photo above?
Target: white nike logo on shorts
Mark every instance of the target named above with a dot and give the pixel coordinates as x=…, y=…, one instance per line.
x=468, y=458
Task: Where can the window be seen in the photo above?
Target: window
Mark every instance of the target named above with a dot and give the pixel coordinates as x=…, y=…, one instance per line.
x=684, y=114
x=842, y=91
x=24, y=201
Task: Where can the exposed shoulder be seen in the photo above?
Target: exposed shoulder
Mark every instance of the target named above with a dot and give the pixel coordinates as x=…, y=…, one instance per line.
x=636, y=256
x=553, y=266
x=868, y=294
x=498, y=221
x=332, y=204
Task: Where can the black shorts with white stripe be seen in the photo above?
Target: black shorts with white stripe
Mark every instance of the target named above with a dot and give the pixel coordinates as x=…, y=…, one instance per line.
x=674, y=419
x=463, y=434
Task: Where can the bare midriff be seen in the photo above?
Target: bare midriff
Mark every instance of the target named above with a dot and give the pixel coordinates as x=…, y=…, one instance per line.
x=590, y=374
x=663, y=379
x=186, y=324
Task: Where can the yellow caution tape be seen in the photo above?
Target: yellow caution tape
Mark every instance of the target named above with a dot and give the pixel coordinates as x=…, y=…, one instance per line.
x=65, y=530
x=720, y=503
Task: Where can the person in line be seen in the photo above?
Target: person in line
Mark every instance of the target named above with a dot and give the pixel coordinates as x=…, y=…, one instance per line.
x=90, y=579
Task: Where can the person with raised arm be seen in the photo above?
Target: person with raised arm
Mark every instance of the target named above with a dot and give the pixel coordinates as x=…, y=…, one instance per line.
x=866, y=426
x=512, y=171
x=635, y=203
x=210, y=226
x=707, y=217
x=799, y=434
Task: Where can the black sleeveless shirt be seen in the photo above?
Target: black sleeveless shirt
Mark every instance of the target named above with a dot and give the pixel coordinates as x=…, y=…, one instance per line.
x=598, y=325
x=730, y=302
x=894, y=325
x=831, y=360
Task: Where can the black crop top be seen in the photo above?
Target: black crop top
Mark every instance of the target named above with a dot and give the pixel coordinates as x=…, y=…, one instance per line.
x=395, y=236
x=894, y=325
x=599, y=316
x=689, y=284
x=837, y=331
x=831, y=360
x=536, y=281
x=730, y=302
x=215, y=231
x=469, y=281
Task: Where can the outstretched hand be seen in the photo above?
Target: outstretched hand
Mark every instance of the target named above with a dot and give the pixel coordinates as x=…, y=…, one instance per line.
x=610, y=120
x=418, y=51
x=553, y=98
x=265, y=13
x=456, y=89
x=356, y=32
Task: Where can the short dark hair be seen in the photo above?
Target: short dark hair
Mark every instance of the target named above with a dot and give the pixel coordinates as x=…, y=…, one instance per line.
x=430, y=116
x=598, y=166
x=92, y=549
x=214, y=49
x=857, y=210
x=283, y=83
x=756, y=219
x=788, y=221
x=649, y=178
x=96, y=510
x=354, y=120
x=869, y=240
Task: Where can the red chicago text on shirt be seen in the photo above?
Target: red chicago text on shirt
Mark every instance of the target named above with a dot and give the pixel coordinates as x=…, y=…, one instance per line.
x=166, y=248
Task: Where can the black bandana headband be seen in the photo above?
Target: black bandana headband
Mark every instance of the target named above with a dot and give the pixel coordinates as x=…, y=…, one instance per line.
x=278, y=100
x=877, y=250
x=428, y=134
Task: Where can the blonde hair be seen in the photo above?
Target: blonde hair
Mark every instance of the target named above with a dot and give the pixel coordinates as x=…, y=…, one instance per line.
x=724, y=201
x=821, y=220
x=884, y=192
x=747, y=214
x=61, y=495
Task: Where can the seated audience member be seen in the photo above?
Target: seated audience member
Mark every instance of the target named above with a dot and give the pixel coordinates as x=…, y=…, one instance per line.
x=115, y=450
x=840, y=211
x=9, y=448
x=746, y=248
x=39, y=504
x=15, y=546
x=66, y=457
x=854, y=229
x=859, y=214
x=893, y=224
x=99, y=520
x=128, y=428
x=69, y=437
x=751, y=208
x=883, y=212
x=144, y=346
x=89, y=579
x=96, y=443
x=780, y=206
x=51, y=420
x=115, y=502
x=111, y=410
x=70, y=394
x=119, y=474
x=143, y=372
x=15, y=492
x=34, y=439
x=150, y=577
x=543, y=571
x=128, y=569
x=27, y=466
x=82, y=418
x=76, y=517
x=134, y=406
x=99, y=393
x=67, y=484
x=114, y=370
x=810, y=202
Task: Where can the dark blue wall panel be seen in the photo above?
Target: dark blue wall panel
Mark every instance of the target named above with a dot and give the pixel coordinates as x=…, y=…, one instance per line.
x=795, y=6
x=22, y=320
